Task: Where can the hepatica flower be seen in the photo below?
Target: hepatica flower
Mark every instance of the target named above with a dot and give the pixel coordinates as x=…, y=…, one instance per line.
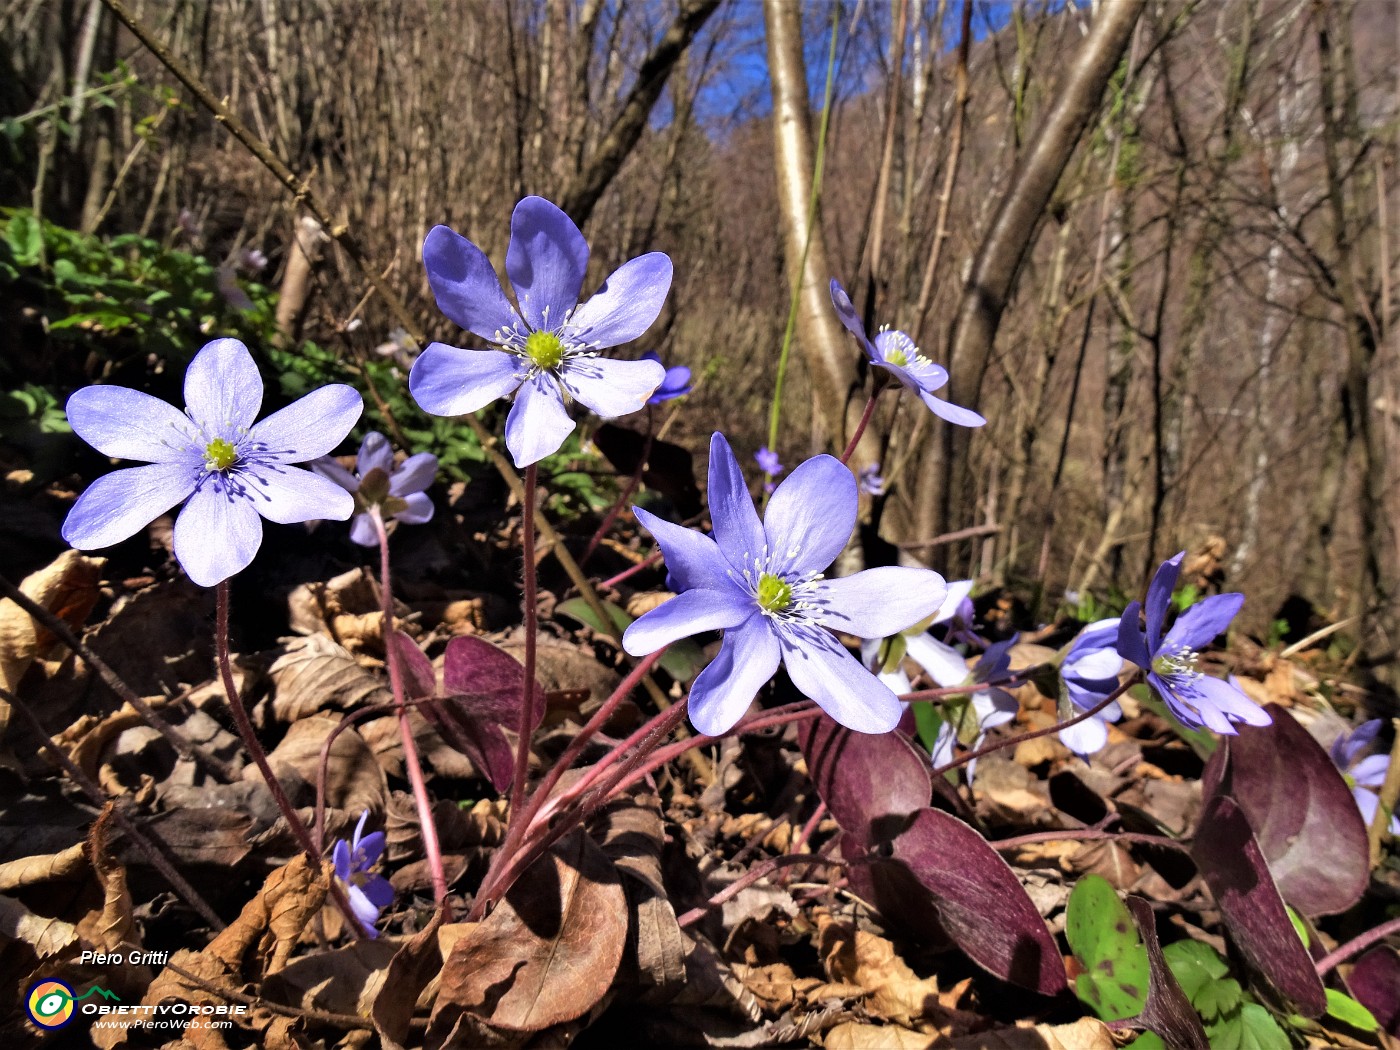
x=762, y=583
x=1364, y=775
x=1172, y=662
x=369, y=894
x=676, y=384
x=896, y=353
x=1090, y=672
x=231, y=471
x=548, y=347
x=768, y=462
x=398, y=492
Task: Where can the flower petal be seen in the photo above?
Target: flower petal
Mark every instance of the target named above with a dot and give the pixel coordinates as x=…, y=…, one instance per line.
x=822, y=670
x=1132, y=644
x=693, y=612
x=736, y=526
x=846, y=311
x=465, y=285
x=449, y=381
x=810, y=518
x=375, y=454
x=944, y=664
x=1232, y=701
x=538, y=422
x=692, y=558
x=963, y=417
x=722, y=692
x=341, y=853
x=363, y=908
x=127, y=424
x=626, y=304
x=545, y=261
x=897, y=680
x=957, y=591
x=611, y=388
x=217, y=534
x=419, y=510
x=363, y=532
x=1348, y=745
x=310, y=426
x=1159, y=598
x=288, y=495
x=1086, y=737
x=1198, y=626
x=379, y=890
x=119, y=504
x=1370, y=771
x=223, y=390
x=415, y=474
x=327, y=467
x=881, y=601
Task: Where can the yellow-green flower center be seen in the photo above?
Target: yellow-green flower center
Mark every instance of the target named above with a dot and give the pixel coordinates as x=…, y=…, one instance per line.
x=774, y=594
x=898, y=358
x=544, y=349
x=220, y=455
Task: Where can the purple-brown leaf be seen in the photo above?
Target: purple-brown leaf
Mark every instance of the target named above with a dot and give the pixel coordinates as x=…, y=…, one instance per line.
x=980, y=902
x=547, y=954
x=493, y=679
x=1301, y=810
x=870, y=783
x=1375, y=983
x=1238, y=875
x=1168, y=1012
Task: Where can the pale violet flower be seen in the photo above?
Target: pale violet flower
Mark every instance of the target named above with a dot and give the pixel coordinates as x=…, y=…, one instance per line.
x=1090, y=672
x=1364, y=775
x=896, y=353
x=768, y=462
x=231, y=471
x=676, y=384
x=762, y=583
x=548, y=347
x=398, y=492
x=1172, y=662
x=369, y=894
x=871, y=481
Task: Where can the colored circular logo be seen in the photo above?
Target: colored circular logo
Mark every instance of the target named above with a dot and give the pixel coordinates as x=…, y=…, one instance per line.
x=50, y=1004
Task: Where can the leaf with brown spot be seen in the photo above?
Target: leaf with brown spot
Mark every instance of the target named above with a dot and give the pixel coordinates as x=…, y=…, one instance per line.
x=549, y=951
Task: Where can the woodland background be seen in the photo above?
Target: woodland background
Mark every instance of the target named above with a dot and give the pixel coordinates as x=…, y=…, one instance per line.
x=1198, y=347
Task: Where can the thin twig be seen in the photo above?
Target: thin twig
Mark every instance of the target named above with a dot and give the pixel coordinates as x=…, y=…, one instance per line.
x=1356, y=945
x=754, y=874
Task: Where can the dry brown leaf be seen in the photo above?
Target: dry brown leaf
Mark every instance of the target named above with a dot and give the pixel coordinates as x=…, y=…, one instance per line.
x=896, y=992
x=549, y=951
x=68, y=588
x=852, y=1035
x=313, y=608
x=46, y=936
x=343, y=980
x=272, y=921
x=314, y=674
x=88, y=737
x=68, y=865
x=409, y=973
x=1087, y=1033
x=354, y=781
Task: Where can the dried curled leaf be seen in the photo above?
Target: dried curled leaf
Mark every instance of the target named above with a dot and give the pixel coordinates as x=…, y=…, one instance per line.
x=547, y=954
x=314, y=674
x=68, y=588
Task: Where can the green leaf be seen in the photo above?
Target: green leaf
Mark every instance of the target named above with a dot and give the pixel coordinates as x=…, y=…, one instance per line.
x=1299, y=927
x=1194, y=965
x=1347, y=1010
x=1147, y=1041
x=1253, y=1028
x=1103, y=936
x=928, y=721
x=25, y=237
x=1216, y=999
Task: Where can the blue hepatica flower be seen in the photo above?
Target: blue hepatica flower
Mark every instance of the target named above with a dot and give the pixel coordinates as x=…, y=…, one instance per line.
x=871, y=481
x=896, y=353
x=369, y=894
x=231, y=472
x=549, y=346
x=398, y=492
x=1364, y=775
x=762, y=584
x=1172, y=663
x=676, y=384
x=768, y=462
x=1090, y=672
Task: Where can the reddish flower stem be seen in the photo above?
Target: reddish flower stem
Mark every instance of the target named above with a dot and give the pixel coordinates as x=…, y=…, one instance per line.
x=413, y=764
x=860, y=427
x=1356, y=946
x=531, y=628
x=259, y=756
x=650, y=560
x=1021, y=738
x=744, y=881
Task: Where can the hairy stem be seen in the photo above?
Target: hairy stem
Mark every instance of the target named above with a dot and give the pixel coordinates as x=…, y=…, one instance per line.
x=413, y=764
x=1356, y=946
x=531, y=628
x=865, y=418
x=626, y=494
